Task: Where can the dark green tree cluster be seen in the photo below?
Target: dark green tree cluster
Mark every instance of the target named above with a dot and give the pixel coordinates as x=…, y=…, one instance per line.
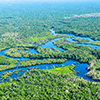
x=39, y=84
x=7, y=61
x=21, y=23
x=25, y=63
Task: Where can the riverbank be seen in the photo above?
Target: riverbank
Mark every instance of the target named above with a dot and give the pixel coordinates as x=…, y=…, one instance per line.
x=94, y=43
x=55, y=48
x=94, y=70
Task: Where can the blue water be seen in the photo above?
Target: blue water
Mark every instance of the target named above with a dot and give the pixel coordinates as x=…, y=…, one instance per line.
x=2, y=53
x=50, y=45
x=79, y=37
x=32, y=51
x=76, y=42
x=81, y=67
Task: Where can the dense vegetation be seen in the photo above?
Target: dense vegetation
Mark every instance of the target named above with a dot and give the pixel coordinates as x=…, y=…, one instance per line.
x=80, y=40
x=27, y=25
x=79, y=27
x=94, y=70
x=94, y=43
x=25, y=63
x=78, y=52
x=36, y=84
x=23, y=22
x=16, y=52
x=7, y=63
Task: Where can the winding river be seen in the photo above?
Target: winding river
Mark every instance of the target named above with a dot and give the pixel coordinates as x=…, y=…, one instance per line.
x=81, y=67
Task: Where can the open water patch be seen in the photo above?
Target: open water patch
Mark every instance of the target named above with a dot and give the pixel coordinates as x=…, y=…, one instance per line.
x=81, y=67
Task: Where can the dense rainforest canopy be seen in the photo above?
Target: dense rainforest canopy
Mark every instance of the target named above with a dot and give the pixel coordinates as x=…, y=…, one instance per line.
x=25, y=27
x=22, y=21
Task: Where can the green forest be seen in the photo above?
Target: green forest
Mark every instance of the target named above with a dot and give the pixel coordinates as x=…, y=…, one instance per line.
x=27, y=41
x=45, y=84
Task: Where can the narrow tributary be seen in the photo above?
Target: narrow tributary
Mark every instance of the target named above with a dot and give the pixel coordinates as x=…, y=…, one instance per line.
x=81, y=67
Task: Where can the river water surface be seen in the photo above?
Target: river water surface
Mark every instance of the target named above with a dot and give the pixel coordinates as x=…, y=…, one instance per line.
x=81, y=67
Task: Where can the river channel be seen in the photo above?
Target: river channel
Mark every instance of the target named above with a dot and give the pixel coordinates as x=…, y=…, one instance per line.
x=81, y=67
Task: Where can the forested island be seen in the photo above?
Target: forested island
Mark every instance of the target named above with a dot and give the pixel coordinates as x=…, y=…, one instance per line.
x=41, y=46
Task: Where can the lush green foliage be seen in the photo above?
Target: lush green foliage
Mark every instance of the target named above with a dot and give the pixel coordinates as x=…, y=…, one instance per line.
x=23, y=24
x=5, y=67
x=79, y=27
x=36, y=84
x=78, y=52
x=94, y=70
x=94, y=43
x=16, y=52
x=38, y=38
x=80, y=40
x=25, y=63
x=63, y=69
x=7, y=63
